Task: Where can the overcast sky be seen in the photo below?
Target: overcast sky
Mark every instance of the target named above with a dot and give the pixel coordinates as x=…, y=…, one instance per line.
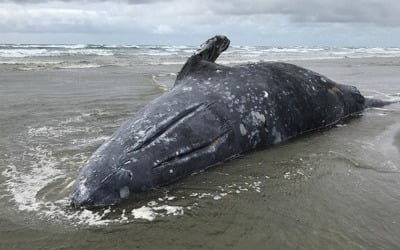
x=188, y=22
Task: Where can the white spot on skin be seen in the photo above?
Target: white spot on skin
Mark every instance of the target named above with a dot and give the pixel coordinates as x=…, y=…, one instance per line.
x=265, y=94
x=124, y=192
x=171, y=171
x=83, y=190
x=277, y=135
x=141, y=133
x=243, y=130
x=241, y=108
x=258, y=117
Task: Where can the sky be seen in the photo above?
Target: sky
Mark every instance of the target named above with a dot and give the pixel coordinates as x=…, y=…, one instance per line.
x=372, y=23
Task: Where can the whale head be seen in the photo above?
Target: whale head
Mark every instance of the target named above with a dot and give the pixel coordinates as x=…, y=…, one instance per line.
x=153, y=149
x=108, y=177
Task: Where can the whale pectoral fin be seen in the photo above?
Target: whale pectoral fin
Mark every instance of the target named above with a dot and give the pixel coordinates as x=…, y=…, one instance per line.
x=213, y=47
x=190, y=65
x=206, y=54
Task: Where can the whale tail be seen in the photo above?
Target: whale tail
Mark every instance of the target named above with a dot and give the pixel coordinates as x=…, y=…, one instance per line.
x=356, y=102
x=377, y=103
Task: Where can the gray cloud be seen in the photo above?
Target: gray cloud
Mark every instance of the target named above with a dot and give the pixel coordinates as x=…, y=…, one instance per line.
x=256, y=20
x=383, y=12
x=81, y=1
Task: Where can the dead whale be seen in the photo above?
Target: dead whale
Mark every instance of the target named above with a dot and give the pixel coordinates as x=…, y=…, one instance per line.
x=213, y=113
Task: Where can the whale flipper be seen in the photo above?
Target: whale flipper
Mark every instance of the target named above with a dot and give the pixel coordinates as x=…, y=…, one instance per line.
x=212, y=48
x=208, y=52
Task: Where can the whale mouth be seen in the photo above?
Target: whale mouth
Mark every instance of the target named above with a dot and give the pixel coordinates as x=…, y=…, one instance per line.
x=82, y=200
x=86, y=196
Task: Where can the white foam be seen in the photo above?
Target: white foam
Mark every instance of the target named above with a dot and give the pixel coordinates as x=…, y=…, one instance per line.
x=80, y=66
x=66, y=46
x=40, y=169
x=51, y=52
x=179, y=54
x=170, y=210
x=24, y=185
x=145, y=213
x=90, y=141
x=23, y=52
x=150, y=213
x=393, y=97
x=54, y=132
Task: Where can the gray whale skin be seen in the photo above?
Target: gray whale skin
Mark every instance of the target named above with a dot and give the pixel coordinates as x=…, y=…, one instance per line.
x=213, y=113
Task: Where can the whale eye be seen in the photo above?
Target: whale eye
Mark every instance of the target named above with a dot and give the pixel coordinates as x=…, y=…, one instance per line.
x=124, y=192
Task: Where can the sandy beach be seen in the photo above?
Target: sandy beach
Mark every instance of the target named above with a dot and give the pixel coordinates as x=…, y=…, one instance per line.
x=334, y=189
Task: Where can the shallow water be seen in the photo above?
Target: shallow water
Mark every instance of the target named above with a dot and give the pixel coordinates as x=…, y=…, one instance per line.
x=334, y=189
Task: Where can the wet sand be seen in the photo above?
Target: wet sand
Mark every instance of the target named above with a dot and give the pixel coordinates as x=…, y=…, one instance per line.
x=334, y=189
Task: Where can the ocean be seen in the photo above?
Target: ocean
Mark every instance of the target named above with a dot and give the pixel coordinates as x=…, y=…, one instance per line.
x=36, y=56
x=334, y=189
